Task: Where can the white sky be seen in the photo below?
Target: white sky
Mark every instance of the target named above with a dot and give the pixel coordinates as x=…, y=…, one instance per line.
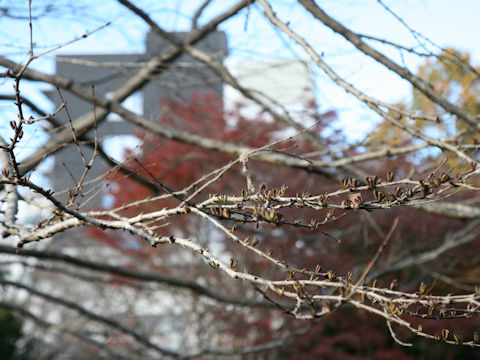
x=447, y=23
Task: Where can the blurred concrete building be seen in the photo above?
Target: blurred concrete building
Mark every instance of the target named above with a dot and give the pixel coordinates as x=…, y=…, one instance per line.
x=108, y=72
x=285, y=82
x=278, y=82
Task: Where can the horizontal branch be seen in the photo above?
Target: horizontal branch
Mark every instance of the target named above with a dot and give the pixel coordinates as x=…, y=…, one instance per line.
x=159, y=129
x=94, y=316
x=450, y=209
x=45, y=324
x=135, y=274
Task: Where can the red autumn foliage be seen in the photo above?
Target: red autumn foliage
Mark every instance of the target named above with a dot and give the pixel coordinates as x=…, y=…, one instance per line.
x=344, y=245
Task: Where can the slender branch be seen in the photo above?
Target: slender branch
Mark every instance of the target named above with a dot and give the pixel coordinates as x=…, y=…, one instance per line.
x=199, y=12
x=48, y=325
x=143, y=76
x=135, y=274
x=370, y=102
x=224, y=74
x=417, y=82
x=94, y=316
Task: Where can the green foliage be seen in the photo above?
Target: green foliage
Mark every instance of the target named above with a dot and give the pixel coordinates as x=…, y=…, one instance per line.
x=10, y=333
